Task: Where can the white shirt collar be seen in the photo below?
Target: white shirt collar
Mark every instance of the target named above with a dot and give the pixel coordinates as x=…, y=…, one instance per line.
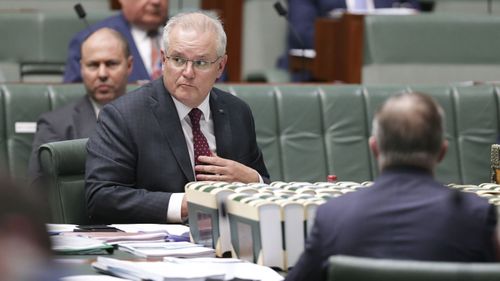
x=95, y=105
x=184, y=110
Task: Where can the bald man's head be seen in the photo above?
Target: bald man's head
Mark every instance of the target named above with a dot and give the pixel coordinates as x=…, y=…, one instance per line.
x=409, y=130
x=105, y=65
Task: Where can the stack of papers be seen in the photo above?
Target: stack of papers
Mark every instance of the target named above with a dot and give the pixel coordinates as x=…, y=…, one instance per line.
x=75, y=245
x=167, y=249
x=187, y=269
x=156, y=271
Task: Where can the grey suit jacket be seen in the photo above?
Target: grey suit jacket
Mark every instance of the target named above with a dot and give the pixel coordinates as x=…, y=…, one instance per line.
x=139, y=156
x=73, y=121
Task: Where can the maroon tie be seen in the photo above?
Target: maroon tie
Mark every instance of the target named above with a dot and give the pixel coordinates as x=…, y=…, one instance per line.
x=200, y=143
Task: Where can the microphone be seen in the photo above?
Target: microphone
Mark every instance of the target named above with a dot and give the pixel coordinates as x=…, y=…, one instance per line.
x=81, y=13
x=495, y=163
x=282, y=12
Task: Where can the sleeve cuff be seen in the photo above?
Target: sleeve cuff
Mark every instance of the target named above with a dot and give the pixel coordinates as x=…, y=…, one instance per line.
x=174, y=208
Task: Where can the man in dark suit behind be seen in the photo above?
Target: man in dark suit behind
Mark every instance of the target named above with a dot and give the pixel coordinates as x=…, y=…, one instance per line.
x=139, y=22
x=405, y=214
x=106, y=64
x=148, y=143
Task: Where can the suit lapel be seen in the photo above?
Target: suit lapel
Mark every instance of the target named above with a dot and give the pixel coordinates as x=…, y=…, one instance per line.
x=84, y=118
x=222, y=128
x=168, y=119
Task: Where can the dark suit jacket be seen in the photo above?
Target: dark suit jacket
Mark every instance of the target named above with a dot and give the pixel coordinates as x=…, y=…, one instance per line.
x=73, y=121
x=303, y=13
x=138, y=155
x=404, y=215
x=118, y=22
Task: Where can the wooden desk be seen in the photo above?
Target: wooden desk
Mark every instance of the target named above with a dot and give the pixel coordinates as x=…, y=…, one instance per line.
x=339, y=50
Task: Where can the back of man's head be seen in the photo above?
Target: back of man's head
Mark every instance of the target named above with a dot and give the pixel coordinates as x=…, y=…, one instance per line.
x=408, y=130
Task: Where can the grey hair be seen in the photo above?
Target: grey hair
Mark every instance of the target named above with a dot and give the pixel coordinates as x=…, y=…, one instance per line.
x=201, y=21
x=410, y=130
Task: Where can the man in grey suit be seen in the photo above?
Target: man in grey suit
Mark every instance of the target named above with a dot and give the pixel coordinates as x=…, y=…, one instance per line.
x=105, y=66
x=405, y=214
x=176, y=129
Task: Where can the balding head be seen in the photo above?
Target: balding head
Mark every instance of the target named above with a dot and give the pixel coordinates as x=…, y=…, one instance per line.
x=105, y=65
x=408, y=130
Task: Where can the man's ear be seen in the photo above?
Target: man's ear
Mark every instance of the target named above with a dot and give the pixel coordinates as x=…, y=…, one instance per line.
x=372, y=142
x=221, y=65
x=442, y=151
x=130, y=63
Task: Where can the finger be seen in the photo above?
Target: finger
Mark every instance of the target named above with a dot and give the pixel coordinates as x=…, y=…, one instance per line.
x=209, y=169
x=212, y=160
x=211, y=177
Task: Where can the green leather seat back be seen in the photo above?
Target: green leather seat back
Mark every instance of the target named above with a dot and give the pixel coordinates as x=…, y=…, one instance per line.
x=345, y=130
x=40, y=53
x=62, y=94
x=301, y=133
x=261, y=98
x=19, y=43
x=477, y=126
x=347, y=268
x=63, y=164
x=430, y=49
x=23, y=103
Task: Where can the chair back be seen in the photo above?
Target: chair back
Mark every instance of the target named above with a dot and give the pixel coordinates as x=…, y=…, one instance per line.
x=343, y=268
x=63, y=165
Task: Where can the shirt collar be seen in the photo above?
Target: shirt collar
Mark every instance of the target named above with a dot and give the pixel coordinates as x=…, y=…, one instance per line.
x=184, y=110
x=96, y=106
x=141, y=33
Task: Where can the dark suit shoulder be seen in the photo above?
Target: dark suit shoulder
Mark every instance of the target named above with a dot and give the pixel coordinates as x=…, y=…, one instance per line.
x=137, y=98
x=64, y=113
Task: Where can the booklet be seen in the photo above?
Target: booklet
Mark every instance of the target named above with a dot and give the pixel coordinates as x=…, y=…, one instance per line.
x=75, y=245
x=167, y=249
x=157, y=271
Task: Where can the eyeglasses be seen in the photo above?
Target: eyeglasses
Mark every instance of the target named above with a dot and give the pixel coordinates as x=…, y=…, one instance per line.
x=180, y=62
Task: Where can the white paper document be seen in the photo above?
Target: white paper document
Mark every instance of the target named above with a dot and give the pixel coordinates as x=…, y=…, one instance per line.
x=157, y=271
x=164, y=249
x=233, y=268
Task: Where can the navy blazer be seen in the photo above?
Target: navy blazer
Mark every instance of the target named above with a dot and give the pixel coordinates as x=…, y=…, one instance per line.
x=405, y=214
x=120, y=24
x=138, y=156
x=75, y=120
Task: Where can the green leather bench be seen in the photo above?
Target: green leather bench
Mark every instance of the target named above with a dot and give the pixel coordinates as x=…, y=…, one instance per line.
x=348, y=268
x=305, y=131
x=35, y=43
x=434, y=48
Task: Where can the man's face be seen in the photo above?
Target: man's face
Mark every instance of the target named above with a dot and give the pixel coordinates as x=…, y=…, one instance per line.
x=104, y=67
x=188, y=83
x=147, y=14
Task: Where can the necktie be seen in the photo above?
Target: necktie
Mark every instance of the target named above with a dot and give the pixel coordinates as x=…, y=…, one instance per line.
x=155, y=56
x=200, y=143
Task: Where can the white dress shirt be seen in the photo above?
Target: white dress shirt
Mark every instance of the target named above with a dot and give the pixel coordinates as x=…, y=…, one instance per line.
x=143, y=44
x=207, y=128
